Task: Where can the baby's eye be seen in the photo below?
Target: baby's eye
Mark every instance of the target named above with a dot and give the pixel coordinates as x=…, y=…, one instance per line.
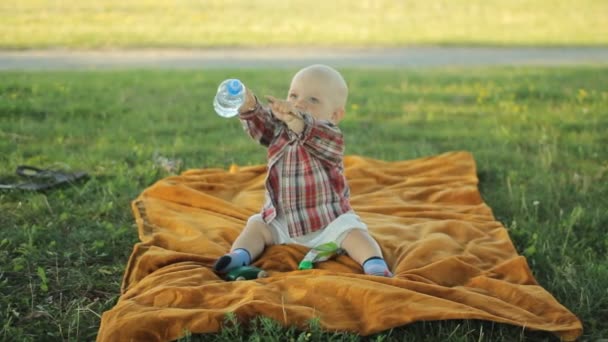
x=293, y=96
x=314, y=100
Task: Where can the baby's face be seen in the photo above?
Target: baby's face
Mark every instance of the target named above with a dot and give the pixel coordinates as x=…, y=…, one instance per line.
x=309, y=93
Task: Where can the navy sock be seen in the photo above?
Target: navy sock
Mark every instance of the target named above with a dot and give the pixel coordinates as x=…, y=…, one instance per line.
x=376, y=266
x=236, y=258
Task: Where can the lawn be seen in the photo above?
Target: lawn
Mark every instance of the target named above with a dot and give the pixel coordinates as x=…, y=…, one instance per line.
x=539, y=137
x=89, y=24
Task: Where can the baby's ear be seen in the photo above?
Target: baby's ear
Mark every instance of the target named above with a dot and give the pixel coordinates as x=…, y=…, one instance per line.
x=337, y=115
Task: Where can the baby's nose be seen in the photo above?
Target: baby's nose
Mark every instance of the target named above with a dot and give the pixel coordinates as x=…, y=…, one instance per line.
x=299, y=104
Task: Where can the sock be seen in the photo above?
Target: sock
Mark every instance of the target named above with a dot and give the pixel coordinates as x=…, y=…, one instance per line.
x=376, y=266
x=238, y=257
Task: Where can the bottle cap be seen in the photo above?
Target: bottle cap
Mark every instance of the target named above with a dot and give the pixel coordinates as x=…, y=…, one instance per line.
x=234, y=87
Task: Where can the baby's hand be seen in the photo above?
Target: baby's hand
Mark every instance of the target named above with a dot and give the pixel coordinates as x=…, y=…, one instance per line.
x=283, y=110
x=249, y=103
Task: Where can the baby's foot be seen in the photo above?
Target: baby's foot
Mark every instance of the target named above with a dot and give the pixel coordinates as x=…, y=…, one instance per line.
x=238, y=257
x=376, y=266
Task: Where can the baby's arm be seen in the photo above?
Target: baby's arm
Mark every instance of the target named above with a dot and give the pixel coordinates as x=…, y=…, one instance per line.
x=321, y=138
x=257, y=121
x=285, y=111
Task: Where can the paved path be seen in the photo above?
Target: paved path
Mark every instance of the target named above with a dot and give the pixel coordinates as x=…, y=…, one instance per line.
x=297, y=57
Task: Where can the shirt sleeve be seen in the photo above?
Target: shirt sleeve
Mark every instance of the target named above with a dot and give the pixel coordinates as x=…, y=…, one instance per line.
x=260, y=124
x=322, y=139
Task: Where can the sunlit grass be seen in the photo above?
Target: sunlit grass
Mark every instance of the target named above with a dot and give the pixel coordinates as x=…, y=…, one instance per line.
x=184, y=23
x=538, y=136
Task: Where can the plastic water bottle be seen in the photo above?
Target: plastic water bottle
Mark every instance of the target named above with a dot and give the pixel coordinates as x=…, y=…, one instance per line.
x=229, y=98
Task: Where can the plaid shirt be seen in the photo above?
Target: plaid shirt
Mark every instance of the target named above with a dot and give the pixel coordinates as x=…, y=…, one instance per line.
x=305, y=180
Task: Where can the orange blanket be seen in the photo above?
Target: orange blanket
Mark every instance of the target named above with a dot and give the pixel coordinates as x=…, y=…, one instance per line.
x=450, y=257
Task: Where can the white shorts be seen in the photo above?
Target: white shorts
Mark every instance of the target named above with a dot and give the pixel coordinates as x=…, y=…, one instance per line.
x=334, y=232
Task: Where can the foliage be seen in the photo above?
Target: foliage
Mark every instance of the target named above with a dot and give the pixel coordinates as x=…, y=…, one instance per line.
x=27, y=24
x=538, y=136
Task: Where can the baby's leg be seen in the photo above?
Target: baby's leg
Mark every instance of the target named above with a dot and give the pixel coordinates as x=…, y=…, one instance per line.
x=254, y=238
x=365, y=250
x=247, y=247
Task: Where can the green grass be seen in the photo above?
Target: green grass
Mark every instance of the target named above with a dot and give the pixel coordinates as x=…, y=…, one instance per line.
x=538, y=136
x=191, y=24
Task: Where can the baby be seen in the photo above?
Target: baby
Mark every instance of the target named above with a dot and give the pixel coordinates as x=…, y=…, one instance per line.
x=307, y=197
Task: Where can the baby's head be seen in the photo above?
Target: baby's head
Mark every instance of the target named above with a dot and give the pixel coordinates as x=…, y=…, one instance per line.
x=320, y=91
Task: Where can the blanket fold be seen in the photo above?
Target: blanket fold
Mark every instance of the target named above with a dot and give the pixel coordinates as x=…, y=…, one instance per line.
x=450, y=257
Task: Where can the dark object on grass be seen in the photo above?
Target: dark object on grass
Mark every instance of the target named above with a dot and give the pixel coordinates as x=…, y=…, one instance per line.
x=246, y=273
x=40, y=179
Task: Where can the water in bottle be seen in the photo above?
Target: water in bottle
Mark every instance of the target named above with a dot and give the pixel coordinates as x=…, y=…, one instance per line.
x=229, y=98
